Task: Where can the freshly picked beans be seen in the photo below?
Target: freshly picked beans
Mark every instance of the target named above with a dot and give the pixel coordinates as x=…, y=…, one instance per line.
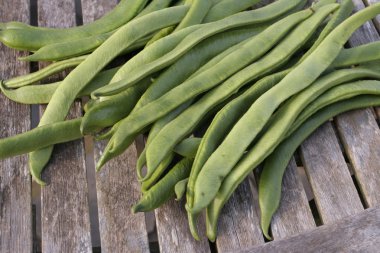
x=217, y=89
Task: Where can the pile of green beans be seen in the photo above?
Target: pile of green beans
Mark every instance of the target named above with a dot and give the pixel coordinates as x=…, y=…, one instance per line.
x=216, y=88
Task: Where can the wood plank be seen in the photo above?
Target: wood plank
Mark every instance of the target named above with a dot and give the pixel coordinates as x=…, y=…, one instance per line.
x=294, y=215
x=377, y=19
x=65, y=214
x=239, y=223
x=117, y=185
x=173, y=232
x=333, y=188
x=360, y=133
x=358, y=233
x=118, y=190
x=15, y=182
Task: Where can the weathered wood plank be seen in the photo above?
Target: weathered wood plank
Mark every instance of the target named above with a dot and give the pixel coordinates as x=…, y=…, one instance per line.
x=118, y=190
x=15, y=183
x=173, y=231
x=358, y=233
x=360, y=133
x=377, y=19
x=239, y=223
x=294, y=215
x=65, y=214
x=117, y=186
x=334, y=190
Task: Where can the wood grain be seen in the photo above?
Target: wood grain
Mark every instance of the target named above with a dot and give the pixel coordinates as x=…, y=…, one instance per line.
x=117, y=186
x=360, y=133
x=377, y=19
x=65, y=213
x=294, y=215
x=173, y=232
x=15, y=183
x=239, y=223
x=358, y=233
x=333, y=188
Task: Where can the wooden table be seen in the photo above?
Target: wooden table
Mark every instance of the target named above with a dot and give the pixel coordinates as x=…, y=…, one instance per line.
x=331, y=191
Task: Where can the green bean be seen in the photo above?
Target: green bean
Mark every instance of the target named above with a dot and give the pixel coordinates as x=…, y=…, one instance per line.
x=180, y=189
x=42, y=93
x=52, y=69
x=279, y=55
x=33, y=39
x=153, y=52
x=188, y=147
x=276, y=163
x=107, y=113
x=219, y=127
x=154, y=5
x=196, y=14
x=358, y=55
x=156, y=128
x=226, y=8
x=191, y=61
x=40, y=137
x=164, y=189
x=344, y=11
x=188, y=90
x=66, y=93
x=161, y=169
x=160, y=34
x=259, y=113
x=258, y=16
x=335, y=95
x=320, y=59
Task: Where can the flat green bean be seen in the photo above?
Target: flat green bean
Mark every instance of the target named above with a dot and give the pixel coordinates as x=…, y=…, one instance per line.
x=161, y=169
x=153, y=6
x=254, y=120
x=180, y=189
x=41, y=74
x=198, y=11
x=164, y=189
x=66, y=93
x=358, y=55
x=188, y=147
x=276, y=57
x=33, y=39
x=38, y=138
x=186, y=91
x=226, y=8
x=42, y=93
x=307, y=71
x=267, y=13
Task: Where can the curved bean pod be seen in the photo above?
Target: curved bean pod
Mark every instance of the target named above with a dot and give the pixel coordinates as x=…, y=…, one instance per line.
x=188, y=147
x=182, y=69
x=106, y=113
x=259, y=113
x=358, y=55
x=34, y=39
x=318, y=61
x=177, y=129
x=188, y=90
x=71, y=86
x=154, y=5
x=38, y=138
x=226, y=8
x=147, y=184
x=41, y=74
x=258, y=16
x=180, y=189
x=164, y=189
x=219, y=128
x=42, y=93
x=275, y=164
x=198, y=11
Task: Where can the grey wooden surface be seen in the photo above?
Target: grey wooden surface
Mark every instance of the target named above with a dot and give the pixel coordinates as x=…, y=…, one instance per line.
x=117, y=187
x=65, y=207
x=64, y=201
x=15, y=183
x=358, y=233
